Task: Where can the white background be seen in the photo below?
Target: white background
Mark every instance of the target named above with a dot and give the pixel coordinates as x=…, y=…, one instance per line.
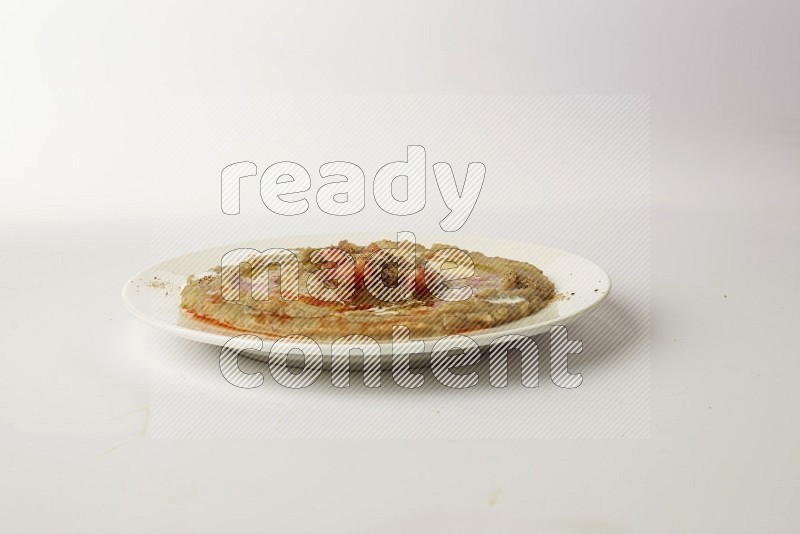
x=83, y=88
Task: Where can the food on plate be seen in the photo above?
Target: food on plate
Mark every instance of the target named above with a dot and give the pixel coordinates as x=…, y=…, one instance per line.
x=327, y=293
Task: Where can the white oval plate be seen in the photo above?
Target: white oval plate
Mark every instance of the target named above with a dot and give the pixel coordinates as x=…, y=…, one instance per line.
x=153, y=295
